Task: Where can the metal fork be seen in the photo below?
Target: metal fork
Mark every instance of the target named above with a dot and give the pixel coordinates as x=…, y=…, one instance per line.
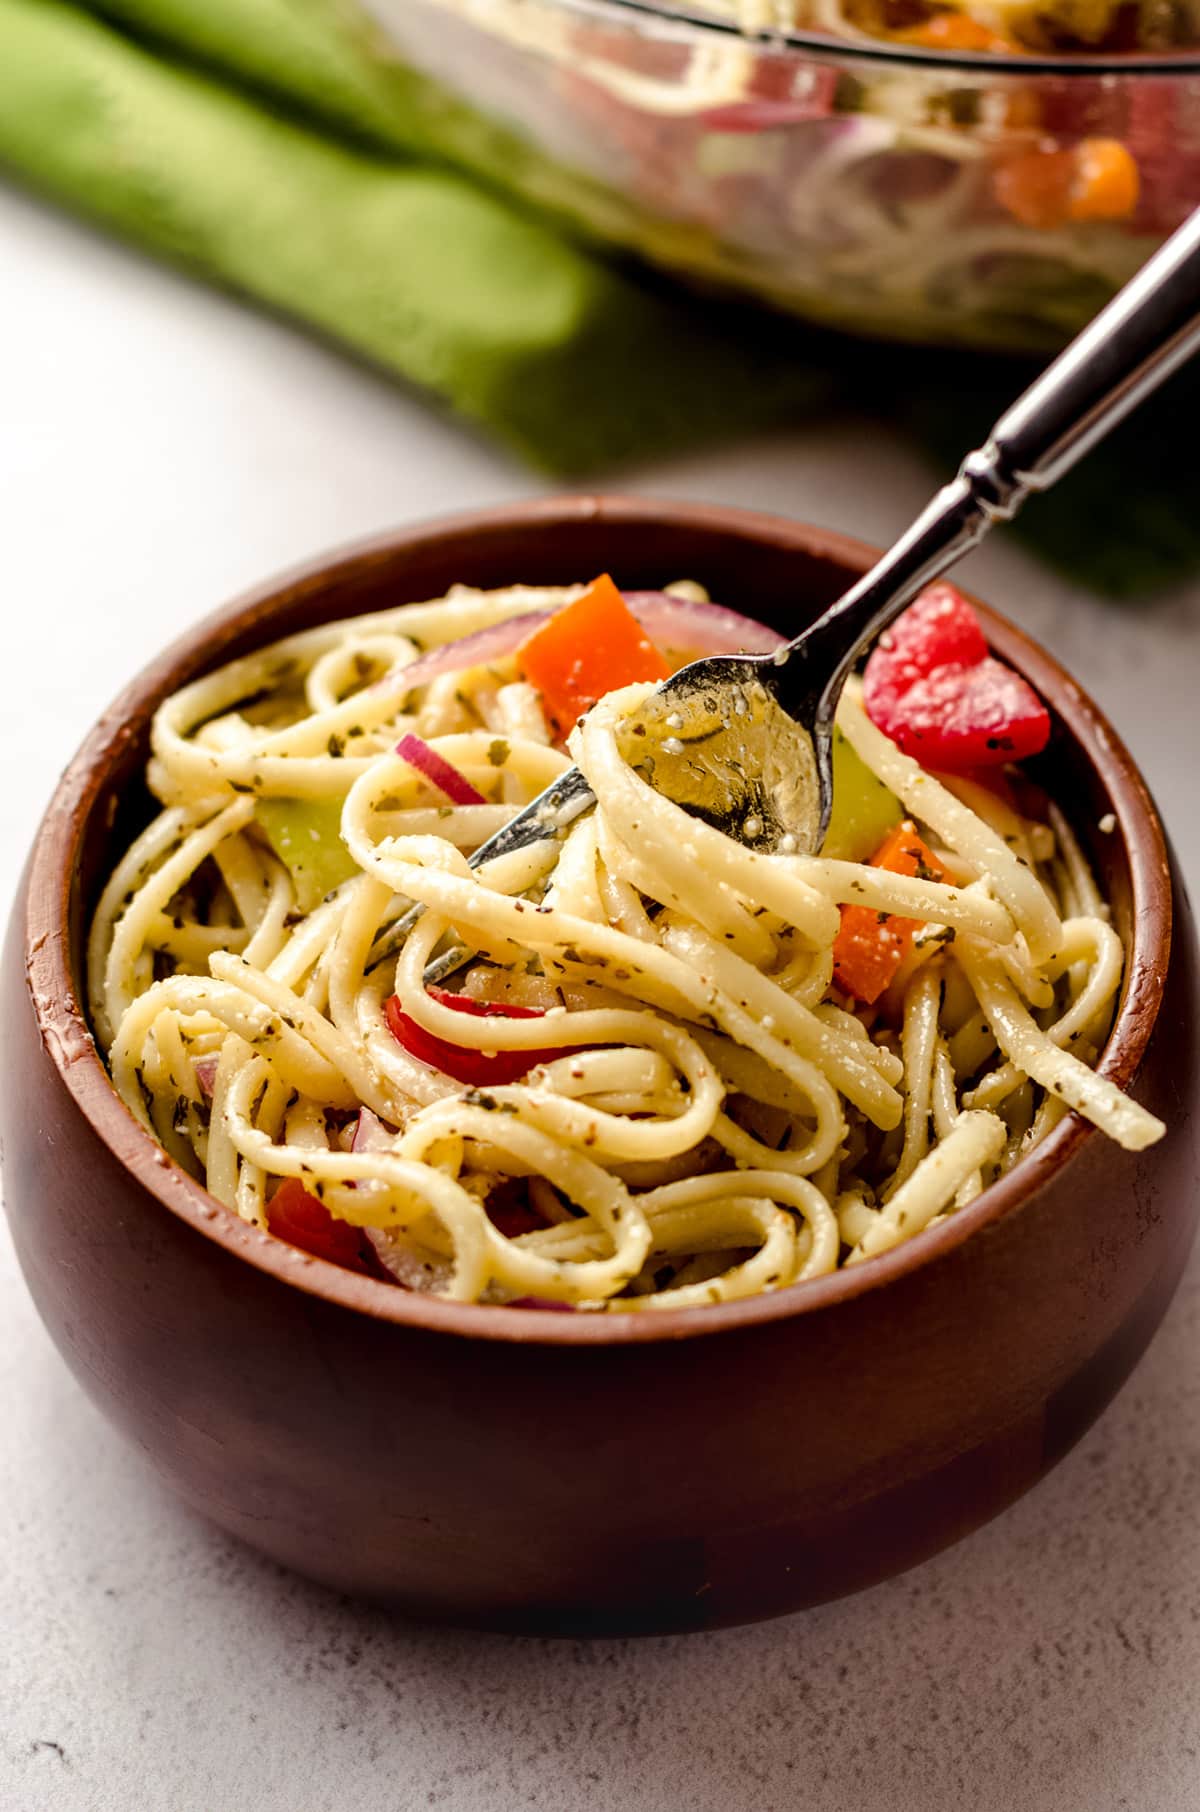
x=745, y=740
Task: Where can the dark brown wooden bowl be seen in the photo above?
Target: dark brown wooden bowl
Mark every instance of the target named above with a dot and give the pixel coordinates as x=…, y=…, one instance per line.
x=510, y=1468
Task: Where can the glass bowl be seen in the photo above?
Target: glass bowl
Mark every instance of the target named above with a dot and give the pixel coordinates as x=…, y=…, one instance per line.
x=971, y=199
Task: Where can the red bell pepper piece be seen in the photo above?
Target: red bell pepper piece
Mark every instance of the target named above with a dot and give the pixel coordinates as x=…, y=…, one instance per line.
x=299, y=1218
x=476, y=1068
x=931, y=686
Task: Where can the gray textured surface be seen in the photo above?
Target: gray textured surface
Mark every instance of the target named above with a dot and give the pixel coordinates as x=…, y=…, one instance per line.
x=167, y=448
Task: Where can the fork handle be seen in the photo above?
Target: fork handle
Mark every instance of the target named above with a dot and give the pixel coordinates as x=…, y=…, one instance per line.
x=1144, y=334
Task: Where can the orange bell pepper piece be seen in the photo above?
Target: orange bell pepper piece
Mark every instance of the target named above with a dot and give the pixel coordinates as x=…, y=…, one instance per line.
x=870, y=946
x=1106, y=181
x=954, y=31
x=1097, y=179
x=588, y=648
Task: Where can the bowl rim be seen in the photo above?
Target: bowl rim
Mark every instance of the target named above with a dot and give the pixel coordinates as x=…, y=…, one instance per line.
x=70, y=1047
x=822, y=45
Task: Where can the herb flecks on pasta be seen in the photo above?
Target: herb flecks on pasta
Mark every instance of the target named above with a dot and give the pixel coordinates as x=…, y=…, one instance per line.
x=673, y=1070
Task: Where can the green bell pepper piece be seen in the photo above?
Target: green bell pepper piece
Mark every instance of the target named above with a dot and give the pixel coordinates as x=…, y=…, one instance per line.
x=864, y=810
x=306, y=835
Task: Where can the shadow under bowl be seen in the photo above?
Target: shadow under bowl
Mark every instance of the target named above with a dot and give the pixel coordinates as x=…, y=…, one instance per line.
x=509, y=1468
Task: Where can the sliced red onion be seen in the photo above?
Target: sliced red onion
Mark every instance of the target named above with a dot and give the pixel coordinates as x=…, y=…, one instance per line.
x=438, y=771
x=489, y=644
x=395, y=1257
x=403, y=1265
x=540, y=1302
x=765, y=115
x=686, y=626
x=678, y=625
x=370, y=1134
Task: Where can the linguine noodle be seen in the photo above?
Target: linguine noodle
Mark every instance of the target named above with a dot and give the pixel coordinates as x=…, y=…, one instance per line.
x=706, y=1117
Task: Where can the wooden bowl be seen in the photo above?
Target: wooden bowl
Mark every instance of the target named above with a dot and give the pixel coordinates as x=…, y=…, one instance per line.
x=514, y=1469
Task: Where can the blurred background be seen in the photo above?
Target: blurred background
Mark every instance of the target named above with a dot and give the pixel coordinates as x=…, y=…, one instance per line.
x=278, y=273
x=561, y=218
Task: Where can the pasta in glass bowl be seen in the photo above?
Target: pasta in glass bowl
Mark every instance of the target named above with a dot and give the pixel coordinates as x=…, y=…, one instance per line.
x=348, y=1426
x=944, y=171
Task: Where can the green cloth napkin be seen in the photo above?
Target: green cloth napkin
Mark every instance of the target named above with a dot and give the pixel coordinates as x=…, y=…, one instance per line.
x=410, y=263
x=255, y=142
